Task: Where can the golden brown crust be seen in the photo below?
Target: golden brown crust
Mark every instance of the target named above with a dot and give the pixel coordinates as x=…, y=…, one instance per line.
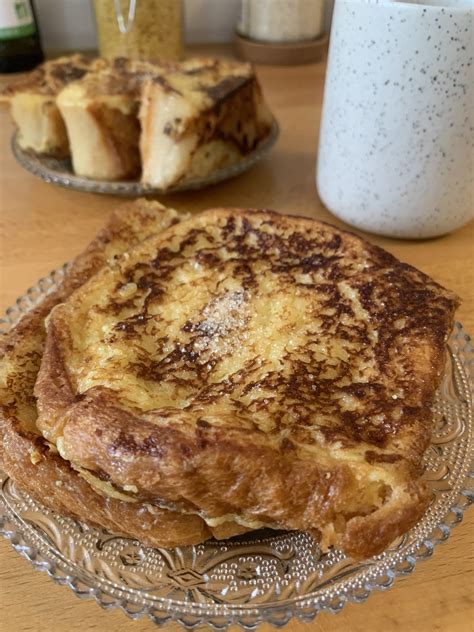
x=26, y=457
x=56, y=485
x=51, y=76
x=226, y=98
x=339, y=413
x=89, y=109
x=206, y=117
x=369, y=535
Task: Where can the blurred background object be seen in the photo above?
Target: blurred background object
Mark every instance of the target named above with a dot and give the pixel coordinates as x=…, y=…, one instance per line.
x=281, y=20
x=20, y=46
x=281, y=31
x=67, y=25
x=139, y=29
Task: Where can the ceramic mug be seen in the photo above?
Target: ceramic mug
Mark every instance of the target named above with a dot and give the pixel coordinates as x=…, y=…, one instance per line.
x=396, y=141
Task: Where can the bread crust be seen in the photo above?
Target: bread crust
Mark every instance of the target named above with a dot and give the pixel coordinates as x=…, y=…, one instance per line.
x=51, y=76
x=131, y=119
x=33, y=107
x=34, y=464
x=56, y=485
x=353, y=467
x=205, y=117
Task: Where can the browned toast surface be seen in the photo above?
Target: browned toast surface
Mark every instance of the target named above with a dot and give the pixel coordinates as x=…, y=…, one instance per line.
x=33, y=463
x=197, y=118
x=32, y=102
x=51, y=76
x=254, y=367
x=125, y=119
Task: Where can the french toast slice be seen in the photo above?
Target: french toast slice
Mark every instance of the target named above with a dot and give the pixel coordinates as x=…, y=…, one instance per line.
x=33, y=463
x=33, y=106
x=171, y=122
x=100, y=112
x=122, y=119
x=195, y=120
x=254, y=367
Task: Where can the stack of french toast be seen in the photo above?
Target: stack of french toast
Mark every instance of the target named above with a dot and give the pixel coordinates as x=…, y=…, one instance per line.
x=123, y=119
x=199, y=376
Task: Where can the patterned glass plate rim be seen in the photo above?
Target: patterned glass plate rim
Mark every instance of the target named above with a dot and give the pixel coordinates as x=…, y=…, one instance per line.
x=263, y=577
x=56, y=171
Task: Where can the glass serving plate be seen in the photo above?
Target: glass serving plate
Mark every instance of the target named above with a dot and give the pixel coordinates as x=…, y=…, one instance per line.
x=60, y=172
x=261, y=577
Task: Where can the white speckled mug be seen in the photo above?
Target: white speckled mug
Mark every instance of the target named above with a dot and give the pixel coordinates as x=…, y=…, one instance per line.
x=396, y=141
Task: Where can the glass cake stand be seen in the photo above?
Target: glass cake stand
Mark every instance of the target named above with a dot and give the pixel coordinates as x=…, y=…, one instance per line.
x=57, y=171
x=260, y=577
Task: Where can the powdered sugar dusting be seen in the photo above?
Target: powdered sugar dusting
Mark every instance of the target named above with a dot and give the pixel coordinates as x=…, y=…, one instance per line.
x=221, y=328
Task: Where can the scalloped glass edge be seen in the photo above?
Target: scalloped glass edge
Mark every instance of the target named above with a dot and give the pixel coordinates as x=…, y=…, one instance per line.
x=304, y=608
x=43, y=167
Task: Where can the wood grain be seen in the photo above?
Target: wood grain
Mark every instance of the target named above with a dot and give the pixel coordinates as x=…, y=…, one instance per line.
x=42, y=226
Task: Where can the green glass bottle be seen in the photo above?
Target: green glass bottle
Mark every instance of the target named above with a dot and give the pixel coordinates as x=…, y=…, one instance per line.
x=20, y=45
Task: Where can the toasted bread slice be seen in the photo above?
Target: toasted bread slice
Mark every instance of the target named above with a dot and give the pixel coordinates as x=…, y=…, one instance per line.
x=195, y=117
x=100, y=112
x=118, y=118
x=32, y=462
x=33, y=107
x=101, y=116
x=197, y=120
x=249, y=366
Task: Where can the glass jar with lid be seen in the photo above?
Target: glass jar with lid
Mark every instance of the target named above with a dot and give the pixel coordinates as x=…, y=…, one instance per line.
x=139, y=29
x=281, y=32
x=281, y=20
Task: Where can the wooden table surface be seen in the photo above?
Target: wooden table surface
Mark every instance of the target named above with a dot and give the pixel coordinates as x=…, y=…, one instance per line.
x=42, y=226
